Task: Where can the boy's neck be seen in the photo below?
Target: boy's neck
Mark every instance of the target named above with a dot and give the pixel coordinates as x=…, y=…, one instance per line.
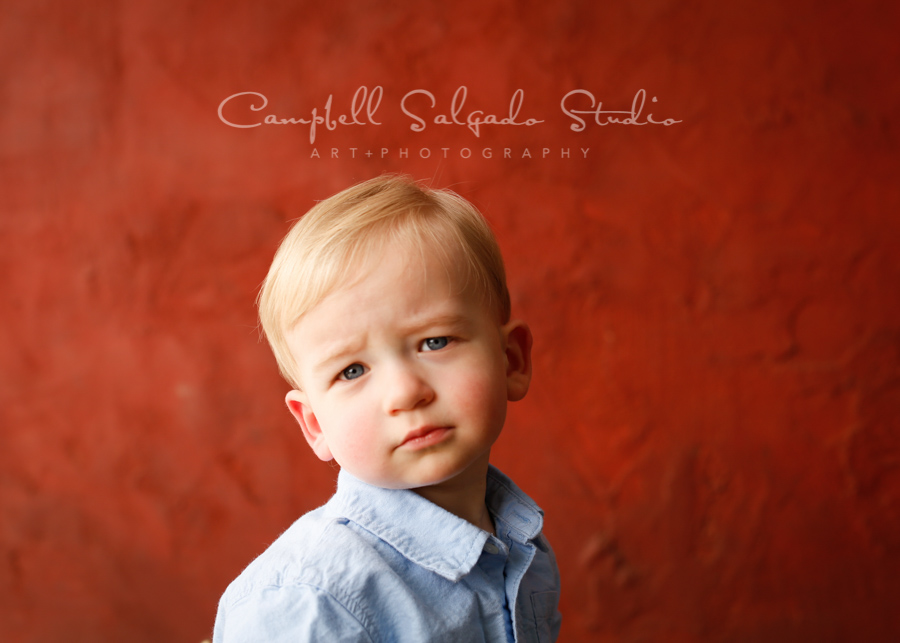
x=464, y=495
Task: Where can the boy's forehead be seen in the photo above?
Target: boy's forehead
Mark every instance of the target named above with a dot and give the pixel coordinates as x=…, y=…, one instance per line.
x=397, y=280
x=419, y=262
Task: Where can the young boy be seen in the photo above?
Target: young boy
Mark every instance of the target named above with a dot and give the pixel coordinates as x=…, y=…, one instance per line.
x=387, y=310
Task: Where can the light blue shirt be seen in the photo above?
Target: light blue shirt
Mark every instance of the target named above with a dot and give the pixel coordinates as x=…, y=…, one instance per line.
x=387, y=566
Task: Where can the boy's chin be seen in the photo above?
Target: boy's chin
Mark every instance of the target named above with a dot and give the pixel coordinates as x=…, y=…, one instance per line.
x=459, y=474
x=434, y=470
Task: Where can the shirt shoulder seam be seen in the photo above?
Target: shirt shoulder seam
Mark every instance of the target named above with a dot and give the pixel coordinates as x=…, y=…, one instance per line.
x=344, y=601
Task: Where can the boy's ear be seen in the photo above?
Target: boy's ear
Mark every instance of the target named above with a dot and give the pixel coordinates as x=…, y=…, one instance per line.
x=298, y=404
x=518, y=359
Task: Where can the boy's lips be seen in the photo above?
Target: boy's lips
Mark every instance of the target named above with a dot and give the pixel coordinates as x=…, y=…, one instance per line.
x=425, y=436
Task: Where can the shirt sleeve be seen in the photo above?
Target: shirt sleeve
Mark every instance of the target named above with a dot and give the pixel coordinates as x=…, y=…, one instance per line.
x=287, y=614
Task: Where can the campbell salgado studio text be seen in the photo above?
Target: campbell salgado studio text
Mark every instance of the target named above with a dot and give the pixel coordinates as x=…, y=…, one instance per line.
x=580, y=108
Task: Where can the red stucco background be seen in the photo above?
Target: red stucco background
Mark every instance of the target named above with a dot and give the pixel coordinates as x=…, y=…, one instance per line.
x=713, y=424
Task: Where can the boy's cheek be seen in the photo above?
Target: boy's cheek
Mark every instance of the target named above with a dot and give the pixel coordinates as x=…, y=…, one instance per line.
x=482, y=397
x=352, y=436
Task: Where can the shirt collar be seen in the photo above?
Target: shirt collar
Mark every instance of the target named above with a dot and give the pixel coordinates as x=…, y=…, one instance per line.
x=429, y=535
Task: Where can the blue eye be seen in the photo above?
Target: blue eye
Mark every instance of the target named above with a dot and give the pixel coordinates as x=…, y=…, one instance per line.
x=352, y=372
x=435, y=343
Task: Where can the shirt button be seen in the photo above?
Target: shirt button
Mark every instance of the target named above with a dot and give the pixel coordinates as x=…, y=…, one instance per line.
x=491, y=548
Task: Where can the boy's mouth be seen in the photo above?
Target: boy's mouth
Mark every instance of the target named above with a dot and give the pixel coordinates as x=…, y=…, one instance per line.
x=425, y=436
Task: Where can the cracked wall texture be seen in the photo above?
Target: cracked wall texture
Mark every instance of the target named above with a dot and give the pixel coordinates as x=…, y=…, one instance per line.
x=713, y=423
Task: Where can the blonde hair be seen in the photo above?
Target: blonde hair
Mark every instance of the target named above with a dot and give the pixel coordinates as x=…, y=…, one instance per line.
x=337, y=233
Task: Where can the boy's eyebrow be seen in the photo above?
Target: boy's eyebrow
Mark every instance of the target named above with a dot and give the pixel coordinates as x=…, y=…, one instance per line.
x=337, y=352
x=342, y=348
x=440, y=319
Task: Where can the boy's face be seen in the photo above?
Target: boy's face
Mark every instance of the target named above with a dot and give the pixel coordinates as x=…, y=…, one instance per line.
x=405, y=374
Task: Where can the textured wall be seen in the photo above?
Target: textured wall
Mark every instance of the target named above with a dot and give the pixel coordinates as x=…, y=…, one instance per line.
x=713, y=425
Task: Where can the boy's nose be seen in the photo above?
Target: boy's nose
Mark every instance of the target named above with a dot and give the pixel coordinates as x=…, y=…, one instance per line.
x=407, y=389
